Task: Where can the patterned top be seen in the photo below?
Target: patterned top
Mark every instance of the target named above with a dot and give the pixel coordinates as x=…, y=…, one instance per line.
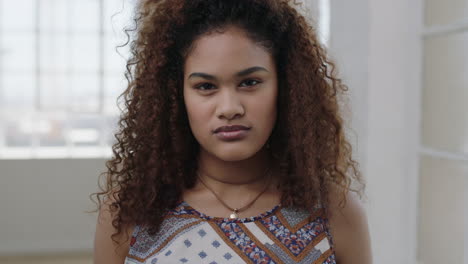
x=280, y=235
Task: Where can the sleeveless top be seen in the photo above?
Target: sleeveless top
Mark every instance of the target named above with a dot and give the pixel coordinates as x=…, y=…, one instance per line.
x=280, y=235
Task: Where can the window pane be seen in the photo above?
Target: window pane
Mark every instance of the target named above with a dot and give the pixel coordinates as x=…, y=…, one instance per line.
x=54, y=16
x=84, y=129
x=17, y=15
x=85, y=53
x=18, y=128
x=18, y=91
x=18, y=52
x=115, y=58
x=55, y=90
x=51, y=129
x=110, y=128
x=444, y=12
x=118, y=14
x=445, y=93
x=84, y=15
x=114, y=85
x=54, y=53
x=84, y=93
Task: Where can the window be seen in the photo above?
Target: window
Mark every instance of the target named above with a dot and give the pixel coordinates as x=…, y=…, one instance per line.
x=60, y=76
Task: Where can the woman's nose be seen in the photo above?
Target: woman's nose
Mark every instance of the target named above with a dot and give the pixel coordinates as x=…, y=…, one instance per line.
x=229, y=104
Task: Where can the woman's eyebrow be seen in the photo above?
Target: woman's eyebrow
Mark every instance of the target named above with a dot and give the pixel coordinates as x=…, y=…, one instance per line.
x=250, y=70
x=239, y=74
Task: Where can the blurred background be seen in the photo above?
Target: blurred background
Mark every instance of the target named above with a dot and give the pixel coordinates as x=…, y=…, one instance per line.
x=405, y=63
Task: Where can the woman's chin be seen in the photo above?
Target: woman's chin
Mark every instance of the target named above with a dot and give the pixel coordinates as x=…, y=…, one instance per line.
x=236, y=153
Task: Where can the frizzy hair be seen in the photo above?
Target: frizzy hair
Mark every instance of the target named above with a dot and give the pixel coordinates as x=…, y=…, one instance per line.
x=155, y=155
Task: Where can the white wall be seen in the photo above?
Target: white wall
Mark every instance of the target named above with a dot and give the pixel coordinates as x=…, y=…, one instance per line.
x=377, y=45
x=349, y=49
x=394, y=107
x=43, y=204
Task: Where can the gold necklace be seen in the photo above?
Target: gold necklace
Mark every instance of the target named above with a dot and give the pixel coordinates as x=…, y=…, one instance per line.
x=235, y=211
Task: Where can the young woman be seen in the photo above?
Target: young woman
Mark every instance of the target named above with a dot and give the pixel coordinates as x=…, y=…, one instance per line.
x=231, y=148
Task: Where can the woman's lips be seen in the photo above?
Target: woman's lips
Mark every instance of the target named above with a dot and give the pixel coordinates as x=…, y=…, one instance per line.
x=232, y=135
x=230, y=128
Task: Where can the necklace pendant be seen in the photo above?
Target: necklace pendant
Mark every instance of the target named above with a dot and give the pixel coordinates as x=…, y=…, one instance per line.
x=234, y=214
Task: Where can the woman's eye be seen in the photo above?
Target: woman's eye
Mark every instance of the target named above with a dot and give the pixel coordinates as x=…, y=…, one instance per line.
x=250, y=82
x=204, y=87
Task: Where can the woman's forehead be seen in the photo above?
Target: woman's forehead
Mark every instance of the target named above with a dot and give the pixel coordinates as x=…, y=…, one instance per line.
x=231, y=49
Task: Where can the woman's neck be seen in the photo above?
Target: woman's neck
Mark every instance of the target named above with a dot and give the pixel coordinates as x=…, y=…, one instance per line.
x=236, y=184
x=235, y=173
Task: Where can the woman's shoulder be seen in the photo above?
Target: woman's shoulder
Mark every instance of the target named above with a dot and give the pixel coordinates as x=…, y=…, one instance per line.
x=106, y=249
x=349, y=226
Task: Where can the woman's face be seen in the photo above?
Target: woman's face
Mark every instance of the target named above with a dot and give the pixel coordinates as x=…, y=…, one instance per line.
x=230, y=80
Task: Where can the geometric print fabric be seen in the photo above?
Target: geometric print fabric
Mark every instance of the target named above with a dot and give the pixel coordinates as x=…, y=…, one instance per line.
x=199, y=244
x=280, y=235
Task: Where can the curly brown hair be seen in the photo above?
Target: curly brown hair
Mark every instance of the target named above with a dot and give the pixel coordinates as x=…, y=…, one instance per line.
x=154, y=158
